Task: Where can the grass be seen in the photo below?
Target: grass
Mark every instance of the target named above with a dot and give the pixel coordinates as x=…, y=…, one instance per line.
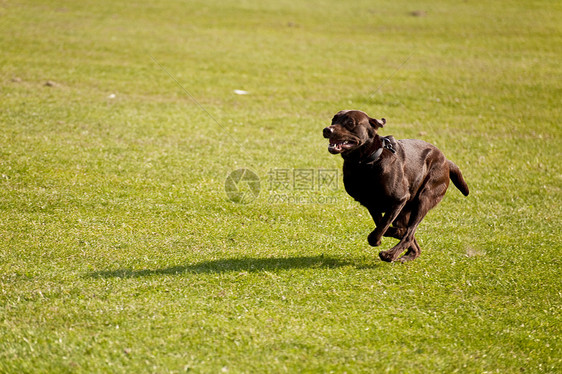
x=120, y=251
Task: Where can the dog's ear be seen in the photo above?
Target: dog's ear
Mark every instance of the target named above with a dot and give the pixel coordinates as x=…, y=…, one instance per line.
x=377, y=123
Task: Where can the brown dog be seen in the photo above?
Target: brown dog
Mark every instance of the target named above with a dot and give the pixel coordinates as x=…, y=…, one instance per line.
x=397, y=181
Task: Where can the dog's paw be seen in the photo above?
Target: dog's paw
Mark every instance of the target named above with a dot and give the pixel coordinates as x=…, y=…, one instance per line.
x=386, y=256
x=409, y=256
x=374, y=239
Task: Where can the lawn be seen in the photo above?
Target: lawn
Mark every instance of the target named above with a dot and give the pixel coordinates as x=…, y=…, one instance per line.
x=121, y=251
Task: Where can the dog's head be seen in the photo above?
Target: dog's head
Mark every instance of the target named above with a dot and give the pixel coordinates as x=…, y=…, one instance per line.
x=351, y=130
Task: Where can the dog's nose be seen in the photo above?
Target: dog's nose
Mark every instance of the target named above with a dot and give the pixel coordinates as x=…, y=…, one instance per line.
x=327, y=132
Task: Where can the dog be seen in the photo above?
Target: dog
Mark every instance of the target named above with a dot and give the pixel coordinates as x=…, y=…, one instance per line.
x=398, y=181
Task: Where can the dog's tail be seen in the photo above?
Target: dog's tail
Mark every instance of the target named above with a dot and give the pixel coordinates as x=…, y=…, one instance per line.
x=456, y=176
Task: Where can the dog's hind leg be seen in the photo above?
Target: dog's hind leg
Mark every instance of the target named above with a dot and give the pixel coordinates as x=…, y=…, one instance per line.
x=392, y=254
x=429, y=196
x=408, y=241
x=412, y=253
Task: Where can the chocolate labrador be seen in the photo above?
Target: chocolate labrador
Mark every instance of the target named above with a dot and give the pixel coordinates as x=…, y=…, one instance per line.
x=398, y=181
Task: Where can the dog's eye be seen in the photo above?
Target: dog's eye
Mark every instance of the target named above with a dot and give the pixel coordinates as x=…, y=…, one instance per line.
x=350, y=125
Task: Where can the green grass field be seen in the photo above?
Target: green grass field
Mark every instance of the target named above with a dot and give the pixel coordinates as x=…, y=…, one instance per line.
x=120, y=251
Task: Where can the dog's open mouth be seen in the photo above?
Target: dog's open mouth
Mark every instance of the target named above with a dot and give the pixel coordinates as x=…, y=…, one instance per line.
x=338, y=146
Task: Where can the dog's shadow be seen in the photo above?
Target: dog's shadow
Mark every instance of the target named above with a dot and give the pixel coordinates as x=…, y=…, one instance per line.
x=244, y=264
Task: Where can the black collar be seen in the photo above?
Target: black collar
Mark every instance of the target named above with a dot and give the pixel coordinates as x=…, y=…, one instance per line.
x=386, y=144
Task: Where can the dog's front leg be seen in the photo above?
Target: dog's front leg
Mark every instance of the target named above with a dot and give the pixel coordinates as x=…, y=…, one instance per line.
x=376, y=214
x=384, y=222
x=377, y=218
